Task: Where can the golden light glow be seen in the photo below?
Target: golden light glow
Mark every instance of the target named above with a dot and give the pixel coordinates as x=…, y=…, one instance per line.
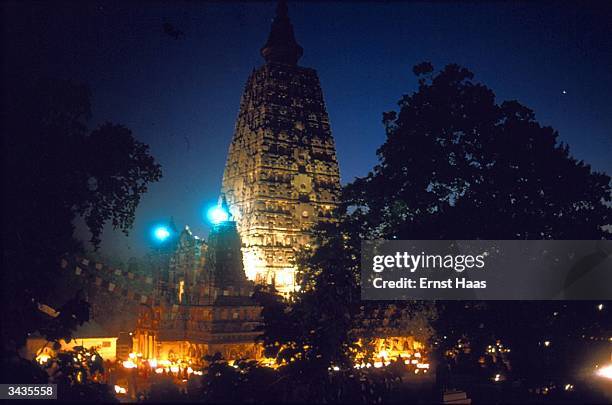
x=160, y=366
x=42, y=358
x=384, y=351
x=129, y=364
x=605, y=372
x=285, y=279
x=381, y=352
x=181, y=290
x=252, y=265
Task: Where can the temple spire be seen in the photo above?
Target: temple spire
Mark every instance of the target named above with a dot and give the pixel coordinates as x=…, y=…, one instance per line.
x=281, y=46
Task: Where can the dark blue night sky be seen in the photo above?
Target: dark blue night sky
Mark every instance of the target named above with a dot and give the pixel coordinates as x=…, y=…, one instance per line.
x=181, y=96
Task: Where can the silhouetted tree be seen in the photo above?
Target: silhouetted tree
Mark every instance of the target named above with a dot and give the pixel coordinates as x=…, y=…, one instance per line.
x=243, y=382
x=77, y=374
x=55, y=170
x=164, y=390
x=249, y=382
x=314, y=328
x=457, y=165
x=314, y=335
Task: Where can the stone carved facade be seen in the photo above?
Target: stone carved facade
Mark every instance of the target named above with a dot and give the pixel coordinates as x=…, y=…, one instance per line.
x=208, y=306
x=281, y=175
x=184, y=264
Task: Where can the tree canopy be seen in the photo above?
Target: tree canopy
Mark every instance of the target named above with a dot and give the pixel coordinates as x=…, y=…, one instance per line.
x=455, y=165
x=458, y=165
x=55, y=169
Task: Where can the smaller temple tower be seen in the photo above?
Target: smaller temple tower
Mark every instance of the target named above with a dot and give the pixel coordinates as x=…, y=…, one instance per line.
x=210, y=309
x=223, y=266
x=184, y=267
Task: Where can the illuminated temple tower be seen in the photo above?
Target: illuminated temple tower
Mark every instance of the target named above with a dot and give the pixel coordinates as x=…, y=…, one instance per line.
x=281, y=174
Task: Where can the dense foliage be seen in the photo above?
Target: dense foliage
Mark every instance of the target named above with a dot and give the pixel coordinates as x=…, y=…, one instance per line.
x=77, y=373
x=56, y=170
x=457, y=165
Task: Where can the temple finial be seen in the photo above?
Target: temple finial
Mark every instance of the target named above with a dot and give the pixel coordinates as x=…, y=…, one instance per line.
x=281, y=9
x=281, y=46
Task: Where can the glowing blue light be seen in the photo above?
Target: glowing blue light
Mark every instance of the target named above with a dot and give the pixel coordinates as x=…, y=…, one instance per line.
x=217, y=214
x=161, y=233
